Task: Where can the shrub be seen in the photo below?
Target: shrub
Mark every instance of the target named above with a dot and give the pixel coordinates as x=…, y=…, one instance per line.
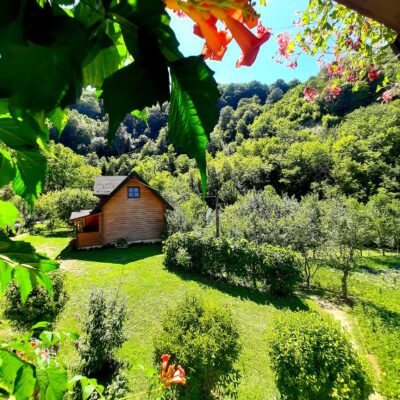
x=103, y=324
x=39, y=306
x=313, y=360
x=103, y=333
x=204, y=339
x=238, y=262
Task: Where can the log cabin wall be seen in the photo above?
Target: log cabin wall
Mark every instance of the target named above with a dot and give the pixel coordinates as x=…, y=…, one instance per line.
x=136, y=219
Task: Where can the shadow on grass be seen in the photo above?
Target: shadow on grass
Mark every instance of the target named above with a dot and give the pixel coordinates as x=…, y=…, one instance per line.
x=293, y=302
x=391, y=262
x=389, y=319
x=57, y=233
x=112, y=255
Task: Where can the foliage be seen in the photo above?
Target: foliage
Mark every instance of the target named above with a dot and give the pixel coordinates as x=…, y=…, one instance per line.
x=29, y=368
x=39, y=306
x=205, y=339
x=313, y=359
x=68, y=170
x=238, y=262
x=103, y=333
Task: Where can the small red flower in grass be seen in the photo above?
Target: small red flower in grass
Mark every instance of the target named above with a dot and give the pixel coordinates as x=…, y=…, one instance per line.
x=171, y=375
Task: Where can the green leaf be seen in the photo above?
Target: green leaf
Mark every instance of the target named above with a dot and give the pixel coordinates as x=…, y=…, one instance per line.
x=10, y=364
x=134, y=87
x=23, y=277
x=193, y=109
x=41, y=324
x=59, y=119
x=30, y=176
x=28, y=268
x=52, y=383
x=7, y=169
x=17, y=134
x=103, y=65
x=6, y=272
x=24, y=385
x=8, y=214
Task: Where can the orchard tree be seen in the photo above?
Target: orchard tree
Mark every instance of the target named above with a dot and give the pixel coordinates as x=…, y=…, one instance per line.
x=341, y=225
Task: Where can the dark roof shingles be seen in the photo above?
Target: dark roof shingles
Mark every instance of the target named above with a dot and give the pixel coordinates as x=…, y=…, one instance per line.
x=104, y=185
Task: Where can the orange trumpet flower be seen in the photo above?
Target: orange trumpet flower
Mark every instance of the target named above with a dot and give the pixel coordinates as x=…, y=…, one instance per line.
x=249, y=43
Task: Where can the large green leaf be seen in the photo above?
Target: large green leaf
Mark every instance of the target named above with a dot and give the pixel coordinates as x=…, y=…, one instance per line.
x=10, y=364
x=24, y=385
x=7, y=169
x=8, y=214
x=30, y=174
x=53, y=383
x=101, y=67
x=6, y=272
x=27, y=267
x=134, y=87
x=193, y=109
x=17, y=134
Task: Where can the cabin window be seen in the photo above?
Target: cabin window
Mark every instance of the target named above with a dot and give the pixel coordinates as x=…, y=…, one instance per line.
x=133, y=192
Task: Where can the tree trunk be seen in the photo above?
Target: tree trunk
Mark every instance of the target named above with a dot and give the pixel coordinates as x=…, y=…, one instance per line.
x=344, y=282
x=383, y=251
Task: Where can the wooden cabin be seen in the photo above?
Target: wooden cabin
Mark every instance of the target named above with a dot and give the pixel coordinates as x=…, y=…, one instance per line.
x=129, y=208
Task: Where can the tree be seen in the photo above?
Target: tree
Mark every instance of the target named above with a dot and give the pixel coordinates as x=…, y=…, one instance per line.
x=306, y=235
x=382, y=220
x=341, y=225
x=68, y=170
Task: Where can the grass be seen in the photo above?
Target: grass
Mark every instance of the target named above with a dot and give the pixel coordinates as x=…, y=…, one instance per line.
x=138, y=275
x=375, y=313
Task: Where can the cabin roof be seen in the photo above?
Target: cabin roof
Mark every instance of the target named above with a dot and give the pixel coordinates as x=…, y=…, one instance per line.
x=80, y=214
x=104, y=185
x=109, y=185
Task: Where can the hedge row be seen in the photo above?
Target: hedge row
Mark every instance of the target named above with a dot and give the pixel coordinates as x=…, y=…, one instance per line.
x=238, y=262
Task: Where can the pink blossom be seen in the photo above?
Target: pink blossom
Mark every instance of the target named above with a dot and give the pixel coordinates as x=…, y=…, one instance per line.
x=292, y=65
x=335, y=90
x=283, y=40
x=310, y=94
x=387, y=96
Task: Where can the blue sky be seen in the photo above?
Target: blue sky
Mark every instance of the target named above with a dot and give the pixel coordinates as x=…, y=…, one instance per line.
x=279, y=15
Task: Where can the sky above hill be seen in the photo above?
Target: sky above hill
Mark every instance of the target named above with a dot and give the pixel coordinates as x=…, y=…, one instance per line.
x=278, y=15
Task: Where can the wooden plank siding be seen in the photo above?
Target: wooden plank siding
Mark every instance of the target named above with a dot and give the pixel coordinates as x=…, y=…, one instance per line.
x=88, y=239
x=136, y=219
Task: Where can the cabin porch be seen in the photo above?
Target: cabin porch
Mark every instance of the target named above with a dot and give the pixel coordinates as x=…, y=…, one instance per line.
x=88, y=230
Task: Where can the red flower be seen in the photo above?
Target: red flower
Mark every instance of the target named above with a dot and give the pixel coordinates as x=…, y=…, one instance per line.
x=249, y=44
x=171, y=375
x=310, y=94
x=373, y=73
x=335, y=90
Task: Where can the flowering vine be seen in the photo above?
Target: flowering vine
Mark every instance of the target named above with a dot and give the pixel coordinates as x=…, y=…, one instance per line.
x=238, y=17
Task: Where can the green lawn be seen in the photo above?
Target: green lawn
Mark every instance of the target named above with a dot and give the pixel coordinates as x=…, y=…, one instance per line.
x=375, y=313
x=138, y=274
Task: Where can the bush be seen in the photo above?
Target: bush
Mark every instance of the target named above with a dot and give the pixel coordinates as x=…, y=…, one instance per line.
x=313, y=360
x=103, y=331
x=238, y=262
x=204, y=340
x=38, y=307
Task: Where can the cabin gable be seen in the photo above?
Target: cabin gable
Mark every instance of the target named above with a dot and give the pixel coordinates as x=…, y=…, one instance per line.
x=138, y=219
